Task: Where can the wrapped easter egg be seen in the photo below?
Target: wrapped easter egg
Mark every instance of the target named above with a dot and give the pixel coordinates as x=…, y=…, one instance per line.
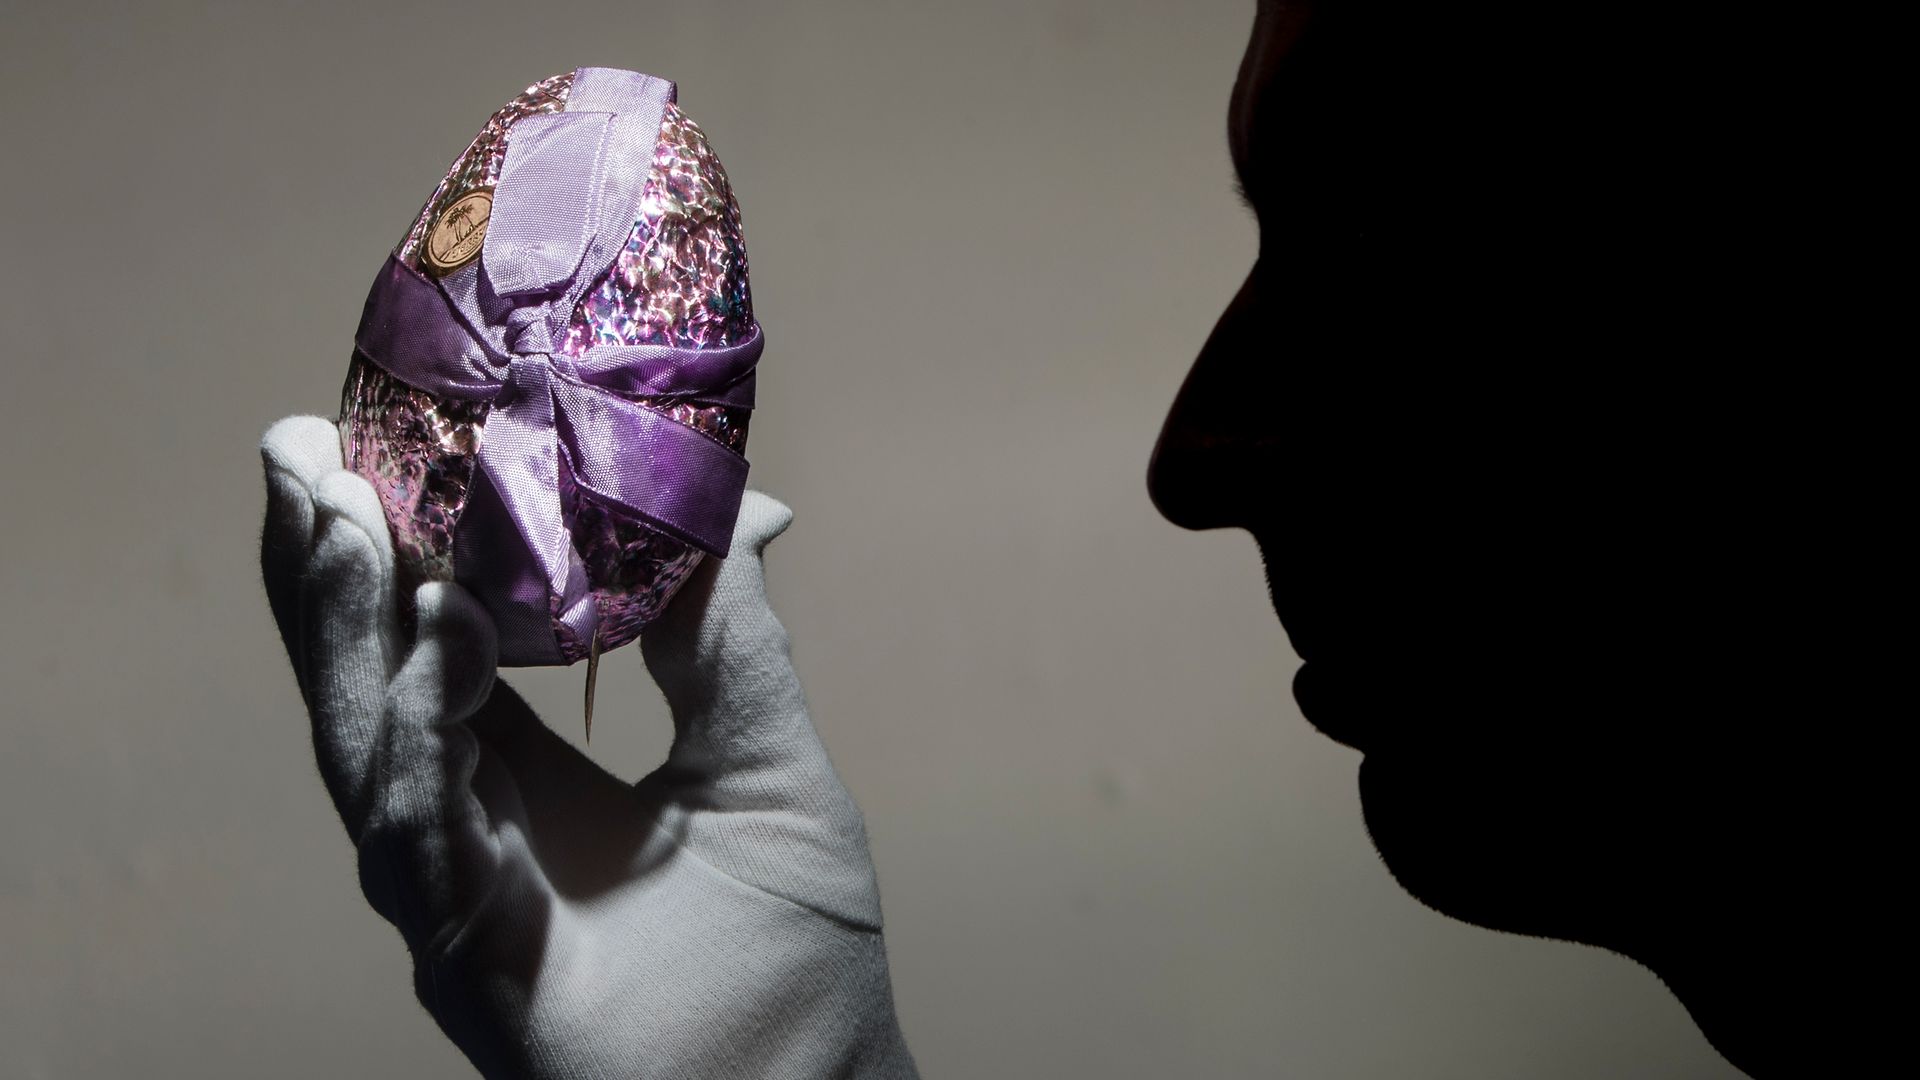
x=552, y=377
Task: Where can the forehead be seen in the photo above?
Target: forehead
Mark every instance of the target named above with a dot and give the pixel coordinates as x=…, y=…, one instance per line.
x=1304, y=120
x=1381, y=118
x=1311, y=86
x=1277, y=27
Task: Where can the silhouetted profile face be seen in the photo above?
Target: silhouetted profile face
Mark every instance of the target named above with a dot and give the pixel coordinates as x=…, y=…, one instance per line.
x=1551, y=544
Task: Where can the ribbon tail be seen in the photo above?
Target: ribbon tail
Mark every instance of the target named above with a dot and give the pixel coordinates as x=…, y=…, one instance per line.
x=520, y=452
x=672, y=477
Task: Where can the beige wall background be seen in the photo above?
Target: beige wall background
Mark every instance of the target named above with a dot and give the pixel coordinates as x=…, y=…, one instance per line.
x=986, y=240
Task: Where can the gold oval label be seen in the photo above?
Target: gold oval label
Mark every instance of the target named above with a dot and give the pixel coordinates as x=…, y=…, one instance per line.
x=457, y=233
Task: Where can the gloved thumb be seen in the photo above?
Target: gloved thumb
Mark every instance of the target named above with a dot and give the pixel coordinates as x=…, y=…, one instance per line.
x=744, y=745
x=719, y=637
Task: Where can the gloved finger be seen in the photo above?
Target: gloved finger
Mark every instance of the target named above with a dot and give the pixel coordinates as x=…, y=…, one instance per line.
x=683, y=647
x=295, y=452
x=428, y=849
x=351, y=635
x=743, y=743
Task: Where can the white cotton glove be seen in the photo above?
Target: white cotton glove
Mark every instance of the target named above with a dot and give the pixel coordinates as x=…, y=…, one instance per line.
x=718, y=919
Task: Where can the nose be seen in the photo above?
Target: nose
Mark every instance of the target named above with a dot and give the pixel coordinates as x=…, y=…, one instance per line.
x=1217, y=449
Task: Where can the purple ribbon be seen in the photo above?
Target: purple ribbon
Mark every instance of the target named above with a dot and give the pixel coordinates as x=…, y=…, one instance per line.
x=568, y=194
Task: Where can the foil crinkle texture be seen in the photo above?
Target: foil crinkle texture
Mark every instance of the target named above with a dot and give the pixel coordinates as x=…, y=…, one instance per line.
x=418, y=453
x=680, y=280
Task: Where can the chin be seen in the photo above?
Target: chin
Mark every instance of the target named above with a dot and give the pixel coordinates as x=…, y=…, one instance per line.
x=1480, y=848
x=1530, y=857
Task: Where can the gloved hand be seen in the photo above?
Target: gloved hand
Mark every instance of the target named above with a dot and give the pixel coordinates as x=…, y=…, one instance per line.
x=718, y=919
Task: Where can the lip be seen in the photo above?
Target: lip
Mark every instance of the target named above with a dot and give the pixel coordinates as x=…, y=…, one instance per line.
x=1315, y=690
x=1325, y=695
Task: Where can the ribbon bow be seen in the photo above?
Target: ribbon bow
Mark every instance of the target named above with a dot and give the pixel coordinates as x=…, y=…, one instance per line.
x=568, y=194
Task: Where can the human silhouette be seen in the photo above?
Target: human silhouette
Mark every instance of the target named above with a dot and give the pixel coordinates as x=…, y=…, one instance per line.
x=1563, y=554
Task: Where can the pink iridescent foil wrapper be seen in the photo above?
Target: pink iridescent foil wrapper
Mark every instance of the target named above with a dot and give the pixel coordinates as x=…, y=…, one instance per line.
x=680, y=280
